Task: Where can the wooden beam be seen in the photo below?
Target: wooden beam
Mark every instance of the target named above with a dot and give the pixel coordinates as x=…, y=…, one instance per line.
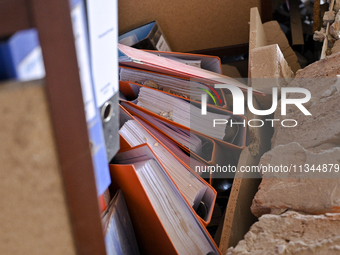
x=295, y=22
x=14, y=16
x=53, y=21
x=266, y=10
x=257, y=36
x=316, y=15
x=238, y=218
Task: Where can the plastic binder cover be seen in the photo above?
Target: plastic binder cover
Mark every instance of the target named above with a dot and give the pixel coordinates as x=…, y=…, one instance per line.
x=118, y=230
x=148, y=36
x=21, y=57
x=163, y=221
x=148, y=61
x=103, y=37
x=99, y=157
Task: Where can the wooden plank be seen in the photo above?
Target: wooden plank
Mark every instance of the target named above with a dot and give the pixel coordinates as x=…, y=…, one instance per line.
x=238, y=218
x=325, y=44
x=295, y=22
x=257, y=36
x=34, y=211
x=316, y=15
x=14, y=16
x=53, y=22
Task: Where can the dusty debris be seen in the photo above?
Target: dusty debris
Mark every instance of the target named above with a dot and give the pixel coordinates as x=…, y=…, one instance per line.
x=254, y=146
x=336, y=47
x=334, y=29
x=151, y=84
x=291, y=233
x=297, y=186
x=322, y=129
x=319, y=131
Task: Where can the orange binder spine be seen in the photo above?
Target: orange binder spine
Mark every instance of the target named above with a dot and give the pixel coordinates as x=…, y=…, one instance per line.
x=150, y=233
x=241, y=136
x=123, y=87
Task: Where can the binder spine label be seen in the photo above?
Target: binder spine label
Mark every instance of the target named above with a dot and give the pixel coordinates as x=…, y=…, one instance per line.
x=96, y=136
x=162, y=45
x=32, y=66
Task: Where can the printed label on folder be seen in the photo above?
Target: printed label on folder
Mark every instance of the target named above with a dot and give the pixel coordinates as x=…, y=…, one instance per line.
x=99, y=158
x=83, y=63
x=103, y=31
x=162, y=45
x=32, y=66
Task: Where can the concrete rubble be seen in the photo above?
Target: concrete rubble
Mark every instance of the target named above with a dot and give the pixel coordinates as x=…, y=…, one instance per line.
x=336, y=47
x=300, y=188
x=291, y=233
x=299, y=210
x=322, y=129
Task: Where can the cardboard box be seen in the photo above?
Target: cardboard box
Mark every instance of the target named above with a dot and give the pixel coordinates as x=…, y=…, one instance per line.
x=191, y=25
x=148, y=36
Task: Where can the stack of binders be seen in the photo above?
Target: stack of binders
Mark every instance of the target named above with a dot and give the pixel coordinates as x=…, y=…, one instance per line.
x=198, y=193
x=168, y=105
x=165, y=90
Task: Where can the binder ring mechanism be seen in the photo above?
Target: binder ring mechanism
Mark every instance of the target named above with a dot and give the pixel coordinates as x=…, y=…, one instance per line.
x=202, y=210
x=107, y=111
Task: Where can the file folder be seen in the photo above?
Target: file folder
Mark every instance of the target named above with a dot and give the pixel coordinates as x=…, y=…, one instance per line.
x=96, y=136
x=21, y=57
x=148, y=36
x=209, y=197
x=103, y=39
x=210, y=63
x=118, y=230
x=207, y=157
x=130, y=91
x=239, y=140
x=152, y=230
x=148, y=61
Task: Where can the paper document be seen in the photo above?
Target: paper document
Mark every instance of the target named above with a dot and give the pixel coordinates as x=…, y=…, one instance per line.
x=182, y=112
x=190, y=186
x=182, y=87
